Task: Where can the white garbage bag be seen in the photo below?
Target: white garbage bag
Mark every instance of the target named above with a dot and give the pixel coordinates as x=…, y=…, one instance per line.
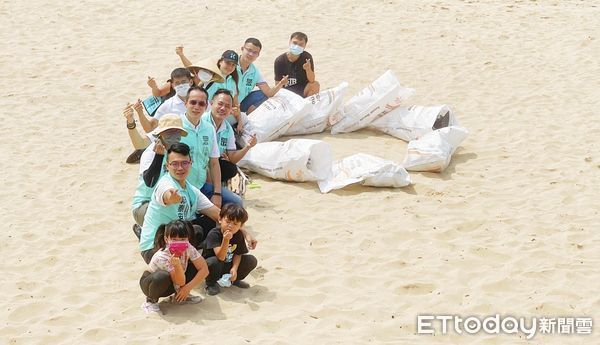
x=371, y=170
x=322, y=106
x=409, y=123
x=274, y=117
x=294, y=160
x=381, y=96
x=433, y=151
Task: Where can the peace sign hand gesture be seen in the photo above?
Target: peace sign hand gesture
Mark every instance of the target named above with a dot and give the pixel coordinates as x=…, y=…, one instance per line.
x=306, y=65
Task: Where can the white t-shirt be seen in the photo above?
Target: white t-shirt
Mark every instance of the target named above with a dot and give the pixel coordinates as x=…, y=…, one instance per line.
x=173, y=105
x=147, y=157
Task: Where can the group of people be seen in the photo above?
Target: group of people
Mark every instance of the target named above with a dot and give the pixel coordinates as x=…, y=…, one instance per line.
x=182, y=209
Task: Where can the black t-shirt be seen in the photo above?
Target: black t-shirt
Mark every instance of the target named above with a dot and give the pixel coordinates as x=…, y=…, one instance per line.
x=237, y=244
x=297, y=79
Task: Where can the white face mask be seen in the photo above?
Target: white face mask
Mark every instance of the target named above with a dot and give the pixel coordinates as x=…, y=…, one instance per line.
x=182, y=89
x=205, y=76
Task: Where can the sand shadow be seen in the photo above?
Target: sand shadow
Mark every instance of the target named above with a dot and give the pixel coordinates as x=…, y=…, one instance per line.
x=208, y=309
x=251, y=296
x=357, y=188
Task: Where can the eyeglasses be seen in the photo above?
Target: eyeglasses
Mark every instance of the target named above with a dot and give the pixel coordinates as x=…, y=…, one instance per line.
x=182, y=164
x=252, y=52
x=200, y=103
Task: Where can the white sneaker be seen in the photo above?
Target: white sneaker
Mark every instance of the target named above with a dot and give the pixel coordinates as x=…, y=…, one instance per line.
x=150, y=307
x=190, y=299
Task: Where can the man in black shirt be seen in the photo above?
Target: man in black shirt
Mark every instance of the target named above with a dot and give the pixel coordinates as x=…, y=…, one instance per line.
x=298, y=67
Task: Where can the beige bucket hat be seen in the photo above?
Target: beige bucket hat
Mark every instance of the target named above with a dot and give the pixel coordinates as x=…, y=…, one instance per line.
x=170, y=121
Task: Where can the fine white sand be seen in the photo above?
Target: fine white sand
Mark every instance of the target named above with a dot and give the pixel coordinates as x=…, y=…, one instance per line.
x=511, y=226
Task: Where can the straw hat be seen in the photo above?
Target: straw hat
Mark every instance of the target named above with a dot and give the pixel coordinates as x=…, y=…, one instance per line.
x=169, y=121
x=211, y=66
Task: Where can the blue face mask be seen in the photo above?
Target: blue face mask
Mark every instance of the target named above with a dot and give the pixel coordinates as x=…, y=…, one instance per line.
x=296, y=49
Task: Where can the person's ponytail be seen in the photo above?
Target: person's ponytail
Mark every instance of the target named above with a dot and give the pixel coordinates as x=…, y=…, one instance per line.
x=159, y=238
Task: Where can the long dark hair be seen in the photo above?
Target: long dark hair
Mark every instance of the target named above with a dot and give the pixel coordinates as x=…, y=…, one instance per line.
x=233, y=74
x=176, y=228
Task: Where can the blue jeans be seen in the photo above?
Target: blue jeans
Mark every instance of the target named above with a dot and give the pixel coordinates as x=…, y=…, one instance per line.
x=227, y=196
x=254, y=98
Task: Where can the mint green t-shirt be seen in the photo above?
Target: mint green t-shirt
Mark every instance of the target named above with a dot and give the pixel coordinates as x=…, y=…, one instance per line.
x=248, y=80
x=192, y=200
x=201, y=141
x=229, y=84
x=223, y=136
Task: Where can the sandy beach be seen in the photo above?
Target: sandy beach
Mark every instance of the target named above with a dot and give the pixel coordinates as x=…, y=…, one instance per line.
x=511, y=227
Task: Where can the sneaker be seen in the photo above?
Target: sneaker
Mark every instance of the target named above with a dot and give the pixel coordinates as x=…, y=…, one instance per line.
x=213, y=290
x=137, y=230
x=190, y=299
x=241, y=284
x=134, y=157
x=150, y=307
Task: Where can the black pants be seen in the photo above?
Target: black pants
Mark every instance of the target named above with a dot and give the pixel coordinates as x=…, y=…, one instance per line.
x=217, y=268
x=228, y=170
x=159, y=284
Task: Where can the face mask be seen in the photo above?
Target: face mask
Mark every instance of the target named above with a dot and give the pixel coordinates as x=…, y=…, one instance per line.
x=204, y=76
x=169, y=140
x=177, y=248
x=182, y=89
x=296, y=49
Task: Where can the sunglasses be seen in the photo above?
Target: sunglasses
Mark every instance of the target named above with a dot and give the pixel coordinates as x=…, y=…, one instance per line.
x=177, y=165
x=200, y=103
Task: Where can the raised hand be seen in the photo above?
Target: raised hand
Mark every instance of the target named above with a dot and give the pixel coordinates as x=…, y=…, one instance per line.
x=306, y=65
x=128, y=113
x=179, y=50
x=159, y=148
x=175, y=260
x=283, y=82
x=139, y=108
x=172, y=197
x=252, y=141
x=152, y=83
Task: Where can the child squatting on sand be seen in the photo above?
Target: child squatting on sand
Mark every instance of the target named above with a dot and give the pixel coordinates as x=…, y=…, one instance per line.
x=168, y=272
x=226, y=252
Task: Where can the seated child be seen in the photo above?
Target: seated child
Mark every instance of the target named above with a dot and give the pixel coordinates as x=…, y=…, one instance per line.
x=226, y=252
x=168, y=272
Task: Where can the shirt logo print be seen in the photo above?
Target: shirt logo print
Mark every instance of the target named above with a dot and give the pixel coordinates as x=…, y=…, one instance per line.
x=183, y=208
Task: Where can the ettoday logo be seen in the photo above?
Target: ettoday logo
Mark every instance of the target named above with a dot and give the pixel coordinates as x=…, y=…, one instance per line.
x=496, y=324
